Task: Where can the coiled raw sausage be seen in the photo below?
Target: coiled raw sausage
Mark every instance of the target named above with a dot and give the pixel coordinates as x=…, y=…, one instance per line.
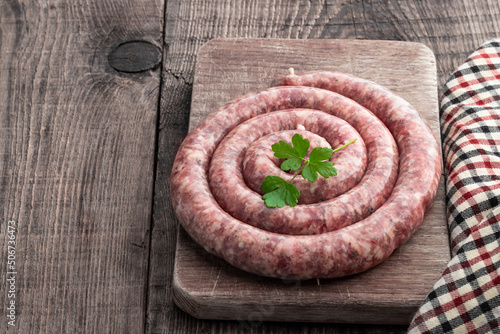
x=399, y=183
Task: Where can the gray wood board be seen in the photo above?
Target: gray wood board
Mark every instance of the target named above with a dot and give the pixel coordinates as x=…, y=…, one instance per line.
x=207, y=287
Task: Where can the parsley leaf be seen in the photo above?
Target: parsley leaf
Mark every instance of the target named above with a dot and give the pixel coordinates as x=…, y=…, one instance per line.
x=300, y=144
x=318, y=165
x=324, y=168
x=320, y=153
x=291, y=164
x=279, y=192
x=293, y=154
x=283, y=150
x=271, y=183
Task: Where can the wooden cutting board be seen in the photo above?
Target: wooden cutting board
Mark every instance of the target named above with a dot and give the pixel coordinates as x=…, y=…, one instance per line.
x=207, y=287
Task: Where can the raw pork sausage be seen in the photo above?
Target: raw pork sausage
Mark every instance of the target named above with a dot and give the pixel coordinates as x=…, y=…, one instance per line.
x=308, y=241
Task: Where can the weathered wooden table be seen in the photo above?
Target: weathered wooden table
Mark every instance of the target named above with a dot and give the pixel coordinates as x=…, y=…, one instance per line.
x=95, y=100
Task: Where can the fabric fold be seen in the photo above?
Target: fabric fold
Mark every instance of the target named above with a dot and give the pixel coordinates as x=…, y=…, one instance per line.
x=466, y=299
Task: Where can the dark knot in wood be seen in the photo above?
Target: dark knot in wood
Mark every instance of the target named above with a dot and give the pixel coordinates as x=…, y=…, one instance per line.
x=135, y=56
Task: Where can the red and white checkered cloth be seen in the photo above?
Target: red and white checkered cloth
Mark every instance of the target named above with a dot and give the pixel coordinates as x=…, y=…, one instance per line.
x=467, y=297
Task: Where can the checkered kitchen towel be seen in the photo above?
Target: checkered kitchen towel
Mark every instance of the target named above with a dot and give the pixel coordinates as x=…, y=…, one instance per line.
x=467, y=297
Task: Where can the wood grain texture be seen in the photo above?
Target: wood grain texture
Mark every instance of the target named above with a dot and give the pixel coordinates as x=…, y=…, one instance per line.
x=78, y=146
x=206, y=287
x=76, y=142
x=452, y=29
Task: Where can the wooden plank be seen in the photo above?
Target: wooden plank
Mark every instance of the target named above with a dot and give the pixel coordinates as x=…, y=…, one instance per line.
x=207, y=287
x=451, y=28
x=76, y=163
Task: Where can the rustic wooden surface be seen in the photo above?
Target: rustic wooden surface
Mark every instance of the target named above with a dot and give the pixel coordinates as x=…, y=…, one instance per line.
x=87, y=150
x=208, y=288
x=77, y=163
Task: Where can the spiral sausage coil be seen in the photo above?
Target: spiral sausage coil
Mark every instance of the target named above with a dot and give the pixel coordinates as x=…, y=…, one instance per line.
x=342, y=225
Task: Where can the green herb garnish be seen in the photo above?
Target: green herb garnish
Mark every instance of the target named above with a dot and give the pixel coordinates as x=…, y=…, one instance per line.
x=279, y=192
